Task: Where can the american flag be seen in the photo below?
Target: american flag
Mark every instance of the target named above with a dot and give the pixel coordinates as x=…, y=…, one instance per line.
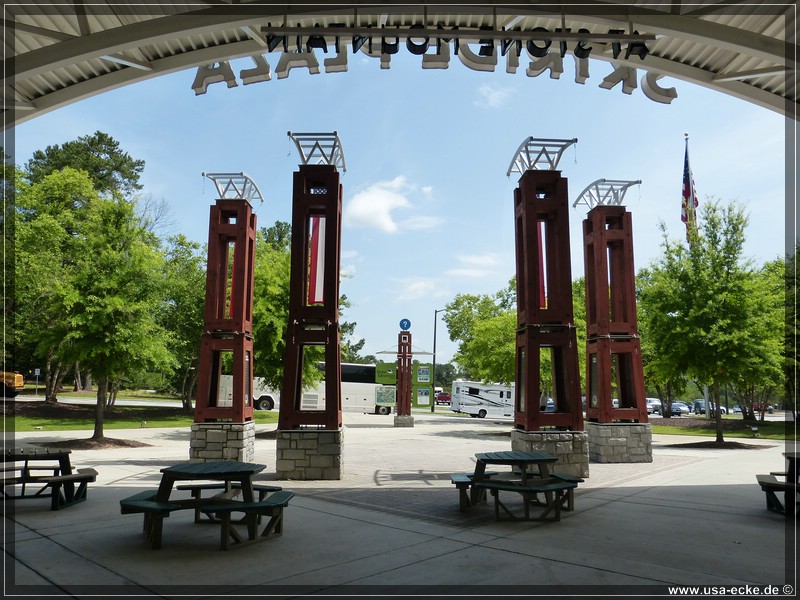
x=689, y=202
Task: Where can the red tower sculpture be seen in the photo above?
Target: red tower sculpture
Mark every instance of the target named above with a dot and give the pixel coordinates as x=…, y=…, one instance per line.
x=314, y=283
x=229, y=306
x=544, y=291
x=613, y=354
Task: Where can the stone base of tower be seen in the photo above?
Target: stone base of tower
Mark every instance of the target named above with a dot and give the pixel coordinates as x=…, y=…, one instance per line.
x=309, y=454
x=222, y=441
x=620, y=442
x=570, y=447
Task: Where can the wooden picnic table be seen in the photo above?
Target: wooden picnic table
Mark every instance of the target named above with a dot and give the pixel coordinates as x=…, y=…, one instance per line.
x=226, y=471
x=524, y=461
x=20, y=468
x=534, y=478
x=237, y=477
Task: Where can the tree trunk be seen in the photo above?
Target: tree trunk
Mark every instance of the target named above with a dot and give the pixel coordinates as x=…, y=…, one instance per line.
x=112, y=396
x=78, y=382
x=48, y=378
x=715, y=395
x=102, y=392
x=54, y=384
x=87, y=384
x=188, y=388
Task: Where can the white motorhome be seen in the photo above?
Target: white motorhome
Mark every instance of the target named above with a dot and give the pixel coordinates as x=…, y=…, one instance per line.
x=482, y=399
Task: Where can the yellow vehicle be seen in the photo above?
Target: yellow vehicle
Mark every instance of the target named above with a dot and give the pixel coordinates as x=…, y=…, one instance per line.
x=13, y=384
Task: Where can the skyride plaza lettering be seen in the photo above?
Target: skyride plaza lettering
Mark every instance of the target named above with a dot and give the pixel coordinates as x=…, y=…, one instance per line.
x=437, y=55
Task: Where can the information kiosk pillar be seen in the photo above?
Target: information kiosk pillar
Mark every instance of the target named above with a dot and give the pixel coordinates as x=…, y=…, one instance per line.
x=403, y=418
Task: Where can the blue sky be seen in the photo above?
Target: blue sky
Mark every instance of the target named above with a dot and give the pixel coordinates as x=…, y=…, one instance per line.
x=428, y=208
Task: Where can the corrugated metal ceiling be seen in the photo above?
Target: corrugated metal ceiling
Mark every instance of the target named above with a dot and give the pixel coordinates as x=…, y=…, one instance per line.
x=58, y=53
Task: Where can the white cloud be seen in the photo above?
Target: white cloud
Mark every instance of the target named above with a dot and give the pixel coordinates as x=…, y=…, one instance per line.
x=421, y=222
x=476, y=266
x=480, y=260
x=424, y=287
x=376, y=207
x=471, y=273
x=492, y=97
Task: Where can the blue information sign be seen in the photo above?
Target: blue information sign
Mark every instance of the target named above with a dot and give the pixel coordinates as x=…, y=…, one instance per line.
x=405, y=324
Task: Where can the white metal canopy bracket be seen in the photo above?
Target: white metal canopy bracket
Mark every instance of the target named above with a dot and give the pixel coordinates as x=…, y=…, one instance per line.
x=235, y=186
x=604, y=191
x=540, y=154
x=319, y=149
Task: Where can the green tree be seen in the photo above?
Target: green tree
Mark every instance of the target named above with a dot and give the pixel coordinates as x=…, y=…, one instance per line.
x=758, y=381
x=702, y=304
x=99, y=155
x=183, y=315
x=791, y=337
x=118, y=276
x=662, y=369
x=49, y=214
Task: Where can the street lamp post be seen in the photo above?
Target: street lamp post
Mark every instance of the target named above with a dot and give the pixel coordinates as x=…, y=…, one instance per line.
x=433, y=376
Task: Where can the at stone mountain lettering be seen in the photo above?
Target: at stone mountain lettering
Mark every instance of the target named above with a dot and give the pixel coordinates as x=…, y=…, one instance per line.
x=553, y=62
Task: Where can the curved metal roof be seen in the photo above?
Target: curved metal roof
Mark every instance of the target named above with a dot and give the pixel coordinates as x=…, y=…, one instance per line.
x=59, y=53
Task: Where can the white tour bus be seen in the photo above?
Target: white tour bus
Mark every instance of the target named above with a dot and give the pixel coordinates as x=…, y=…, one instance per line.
x=360, y=393
x=482, y=399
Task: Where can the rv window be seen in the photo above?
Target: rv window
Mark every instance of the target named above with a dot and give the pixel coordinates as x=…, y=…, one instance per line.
x=472, y=391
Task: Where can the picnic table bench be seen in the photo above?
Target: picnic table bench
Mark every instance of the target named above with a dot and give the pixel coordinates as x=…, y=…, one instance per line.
x=223, y=490
x=770, y=485
x=65, y=487
x=272, y=506
x=556, y=495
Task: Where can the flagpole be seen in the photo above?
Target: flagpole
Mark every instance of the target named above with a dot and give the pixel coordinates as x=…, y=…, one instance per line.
x=689, y=194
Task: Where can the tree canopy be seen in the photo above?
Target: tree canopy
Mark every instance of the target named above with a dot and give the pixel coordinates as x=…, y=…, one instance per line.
x=708, y=316
x=109, y=168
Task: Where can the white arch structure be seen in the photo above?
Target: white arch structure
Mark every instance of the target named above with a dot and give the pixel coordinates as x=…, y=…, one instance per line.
x=59, y=53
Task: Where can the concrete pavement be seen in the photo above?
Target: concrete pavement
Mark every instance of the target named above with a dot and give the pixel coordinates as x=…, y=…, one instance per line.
x=693, y=517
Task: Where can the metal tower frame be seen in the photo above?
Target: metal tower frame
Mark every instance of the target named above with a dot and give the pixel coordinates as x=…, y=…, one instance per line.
x=235, y=186
x=319, y=149
x=539, y=154
x=604, y=192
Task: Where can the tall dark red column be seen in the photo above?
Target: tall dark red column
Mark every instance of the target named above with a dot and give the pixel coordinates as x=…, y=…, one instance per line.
x=613, y=354
x=228, y=314
x=314, y=295
x=544, y=304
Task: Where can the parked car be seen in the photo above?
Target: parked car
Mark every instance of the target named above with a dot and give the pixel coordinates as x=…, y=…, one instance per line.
x=700, y=407
x=653, y=406
x=737, y=410
x=679, y=408
x=443, y=398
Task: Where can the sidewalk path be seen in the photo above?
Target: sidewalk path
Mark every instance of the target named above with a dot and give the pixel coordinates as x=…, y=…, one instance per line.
x=692, y=517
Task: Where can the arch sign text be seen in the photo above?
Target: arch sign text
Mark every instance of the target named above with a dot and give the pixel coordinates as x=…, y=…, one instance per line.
x=480, y=50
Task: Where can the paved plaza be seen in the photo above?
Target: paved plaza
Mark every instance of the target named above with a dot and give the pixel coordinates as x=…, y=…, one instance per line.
x=692, y=517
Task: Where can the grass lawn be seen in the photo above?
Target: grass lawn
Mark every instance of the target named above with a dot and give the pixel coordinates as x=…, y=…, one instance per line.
x=36, y=416
x=768, y=430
